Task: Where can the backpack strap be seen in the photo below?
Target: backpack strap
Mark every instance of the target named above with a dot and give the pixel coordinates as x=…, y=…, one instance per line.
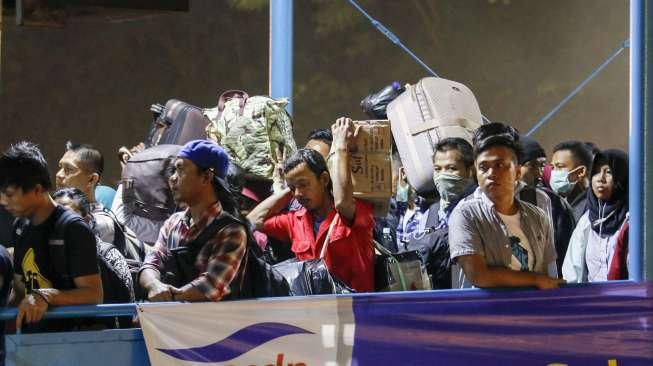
x=57, y=243
x=210, y=231
x=120, y=236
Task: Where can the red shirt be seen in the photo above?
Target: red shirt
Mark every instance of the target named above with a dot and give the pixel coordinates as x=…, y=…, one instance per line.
x=349, y=256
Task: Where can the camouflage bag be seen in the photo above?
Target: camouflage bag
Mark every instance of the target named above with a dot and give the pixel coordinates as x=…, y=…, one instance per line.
x=252, y=130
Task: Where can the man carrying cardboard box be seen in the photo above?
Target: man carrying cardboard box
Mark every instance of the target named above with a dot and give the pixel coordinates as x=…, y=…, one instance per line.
x=327, y=197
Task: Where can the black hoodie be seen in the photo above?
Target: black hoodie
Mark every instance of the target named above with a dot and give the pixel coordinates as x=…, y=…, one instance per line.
x=606, y=217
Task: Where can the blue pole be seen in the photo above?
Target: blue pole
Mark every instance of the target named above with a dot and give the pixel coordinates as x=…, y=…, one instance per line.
x=641, y=150
x=281, y=48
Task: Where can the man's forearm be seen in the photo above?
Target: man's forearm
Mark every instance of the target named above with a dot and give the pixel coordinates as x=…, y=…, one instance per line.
x=269, y=207
x=147, y=276
x=78, y=296
x=504, y=277
x=343, y=190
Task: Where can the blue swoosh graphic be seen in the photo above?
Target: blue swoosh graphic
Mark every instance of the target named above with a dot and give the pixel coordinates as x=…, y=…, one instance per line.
x=237, y=344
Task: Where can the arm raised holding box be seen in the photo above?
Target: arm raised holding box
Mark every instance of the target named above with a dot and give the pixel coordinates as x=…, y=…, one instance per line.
x=344, y=132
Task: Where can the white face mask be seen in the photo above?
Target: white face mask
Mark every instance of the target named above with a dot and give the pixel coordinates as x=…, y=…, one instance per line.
x=560, y=183
x=450, y=186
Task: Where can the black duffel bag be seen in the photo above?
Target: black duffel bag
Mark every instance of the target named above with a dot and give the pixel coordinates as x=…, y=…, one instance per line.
x=312, y=277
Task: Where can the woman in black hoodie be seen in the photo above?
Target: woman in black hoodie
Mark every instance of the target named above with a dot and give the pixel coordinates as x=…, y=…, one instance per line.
x=599, y=245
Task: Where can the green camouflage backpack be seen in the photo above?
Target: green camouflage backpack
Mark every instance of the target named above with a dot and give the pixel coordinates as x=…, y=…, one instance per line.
x=252, y=130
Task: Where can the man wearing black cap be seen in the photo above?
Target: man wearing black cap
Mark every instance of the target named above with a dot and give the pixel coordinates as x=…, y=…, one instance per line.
x=198, y=254
x=496, y=239
x=530, y=190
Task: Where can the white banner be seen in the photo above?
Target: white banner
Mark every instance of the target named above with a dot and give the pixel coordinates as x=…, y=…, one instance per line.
x=274, y=332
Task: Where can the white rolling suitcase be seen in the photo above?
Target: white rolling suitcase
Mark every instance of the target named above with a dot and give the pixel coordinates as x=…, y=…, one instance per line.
x=424, y=114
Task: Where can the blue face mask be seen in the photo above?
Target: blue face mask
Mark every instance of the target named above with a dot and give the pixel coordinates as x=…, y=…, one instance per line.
x=560, y=183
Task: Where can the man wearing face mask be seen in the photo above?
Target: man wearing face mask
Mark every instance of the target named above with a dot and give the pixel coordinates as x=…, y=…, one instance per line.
x=453, y=163
x=571, y=160
x=530, y=189
x=412, y=211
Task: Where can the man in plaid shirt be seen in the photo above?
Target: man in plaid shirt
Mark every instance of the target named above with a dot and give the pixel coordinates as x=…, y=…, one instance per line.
x=198, y=181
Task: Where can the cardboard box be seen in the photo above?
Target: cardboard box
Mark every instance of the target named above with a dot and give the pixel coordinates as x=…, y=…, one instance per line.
x=370, y=164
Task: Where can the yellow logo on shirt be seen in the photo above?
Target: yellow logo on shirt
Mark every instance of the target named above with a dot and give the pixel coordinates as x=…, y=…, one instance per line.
x=32, y=274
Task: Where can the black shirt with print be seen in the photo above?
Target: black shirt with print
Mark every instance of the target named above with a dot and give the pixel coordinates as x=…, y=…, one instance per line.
x=32, y=258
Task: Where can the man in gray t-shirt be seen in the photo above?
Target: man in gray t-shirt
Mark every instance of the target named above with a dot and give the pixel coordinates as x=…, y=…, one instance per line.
x=495, y=239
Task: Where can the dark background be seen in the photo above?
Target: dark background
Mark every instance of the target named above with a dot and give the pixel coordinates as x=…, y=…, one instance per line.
x=93, y=79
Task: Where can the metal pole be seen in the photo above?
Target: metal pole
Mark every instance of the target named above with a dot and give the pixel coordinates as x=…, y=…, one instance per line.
x=641, y=145
x=281, y=49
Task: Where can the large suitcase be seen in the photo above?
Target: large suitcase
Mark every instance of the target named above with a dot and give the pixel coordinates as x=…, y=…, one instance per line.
x=423, y=115
x=178, y=123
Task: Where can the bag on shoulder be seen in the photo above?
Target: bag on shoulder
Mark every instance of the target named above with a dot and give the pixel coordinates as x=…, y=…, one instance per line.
x=312, y=277
x=125, y=239
x=117, y=284
x=144, y=182
x=255, y=277
x=251, y=129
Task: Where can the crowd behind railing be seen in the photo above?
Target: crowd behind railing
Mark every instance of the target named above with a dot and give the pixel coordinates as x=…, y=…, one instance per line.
x=504, y=215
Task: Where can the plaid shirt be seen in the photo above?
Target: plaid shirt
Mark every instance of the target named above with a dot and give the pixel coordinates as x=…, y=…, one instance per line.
x=223, y=261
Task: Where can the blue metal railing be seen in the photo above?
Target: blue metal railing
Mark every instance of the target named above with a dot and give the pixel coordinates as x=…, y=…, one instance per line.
x=80, y=311
x=110, y=310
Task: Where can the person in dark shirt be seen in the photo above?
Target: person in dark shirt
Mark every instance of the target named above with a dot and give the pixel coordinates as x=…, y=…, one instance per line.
x=571, y=161
x=38, y=281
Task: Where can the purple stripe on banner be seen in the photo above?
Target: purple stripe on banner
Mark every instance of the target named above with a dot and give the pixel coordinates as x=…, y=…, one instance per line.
x=607, y=324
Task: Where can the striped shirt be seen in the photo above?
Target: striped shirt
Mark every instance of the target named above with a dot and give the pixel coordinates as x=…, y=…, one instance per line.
x=218, y=266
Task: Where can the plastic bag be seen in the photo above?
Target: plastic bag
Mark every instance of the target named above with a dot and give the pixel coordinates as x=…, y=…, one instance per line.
x=310, y=277
x=374, y=105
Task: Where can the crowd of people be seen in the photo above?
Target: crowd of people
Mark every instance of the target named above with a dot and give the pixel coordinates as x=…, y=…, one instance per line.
x=504, y=215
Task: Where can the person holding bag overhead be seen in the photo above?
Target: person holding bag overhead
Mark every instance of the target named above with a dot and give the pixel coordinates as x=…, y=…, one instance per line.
x=326, y=194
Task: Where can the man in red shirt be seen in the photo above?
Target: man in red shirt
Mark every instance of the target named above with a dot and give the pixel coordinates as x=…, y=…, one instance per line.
x=326, y=194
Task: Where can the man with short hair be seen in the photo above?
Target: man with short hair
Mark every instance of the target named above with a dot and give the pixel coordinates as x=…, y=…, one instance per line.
x=327, y=199
x=55, y=258
x=209, y=230
x=496, y=239
x=320, y=140
x=571, y=162
x=531, y=190
x=81, y=167
x=453, y=171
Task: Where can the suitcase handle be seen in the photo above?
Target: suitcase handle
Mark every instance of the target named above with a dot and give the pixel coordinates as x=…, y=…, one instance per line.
x=231, y=94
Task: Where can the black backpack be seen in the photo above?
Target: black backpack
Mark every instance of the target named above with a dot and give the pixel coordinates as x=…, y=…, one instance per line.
x=116, y=279
x=125, y=239
x=256, y=278
x=145, y=189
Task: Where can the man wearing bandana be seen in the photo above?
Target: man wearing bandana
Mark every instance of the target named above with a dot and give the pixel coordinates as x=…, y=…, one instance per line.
x=453, y=164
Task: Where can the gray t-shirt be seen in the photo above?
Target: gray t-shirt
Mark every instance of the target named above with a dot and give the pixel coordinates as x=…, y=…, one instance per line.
x=475, y=228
